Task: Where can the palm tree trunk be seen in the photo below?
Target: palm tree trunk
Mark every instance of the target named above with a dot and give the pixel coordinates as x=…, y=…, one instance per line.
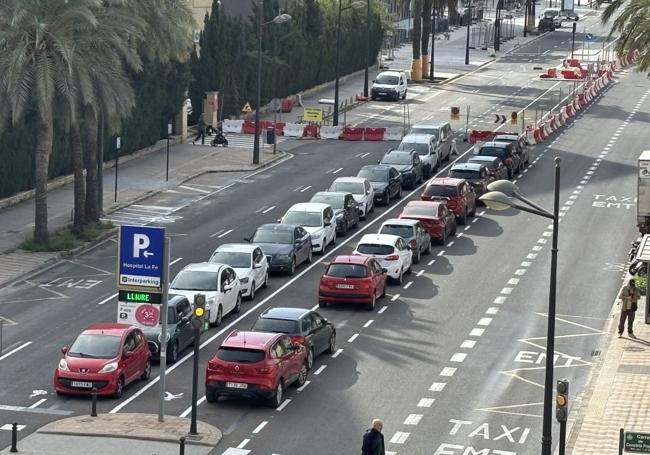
x=426, y=30
x=42, y=162
x=416, y=66
x=78, y=170
x=90, y=150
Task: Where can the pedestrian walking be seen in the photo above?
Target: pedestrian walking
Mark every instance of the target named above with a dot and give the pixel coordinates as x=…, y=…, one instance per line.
x=630, y=297
x=373, y=440
x=201, y=127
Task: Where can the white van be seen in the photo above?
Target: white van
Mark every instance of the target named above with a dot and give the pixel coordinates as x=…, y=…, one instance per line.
x=390, y=85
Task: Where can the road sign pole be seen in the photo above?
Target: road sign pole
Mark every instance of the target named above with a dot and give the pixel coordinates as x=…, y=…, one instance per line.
x=169, y=132
x=562, y=442
x=195, y=379
x=467, y=124
x=163, y=330
x=621, y=441
x=118, y=144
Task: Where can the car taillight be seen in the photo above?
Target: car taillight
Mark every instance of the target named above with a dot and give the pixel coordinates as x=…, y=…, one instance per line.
x=263, y=370
x=213, y=366
x=392, y=257
x=413, y=243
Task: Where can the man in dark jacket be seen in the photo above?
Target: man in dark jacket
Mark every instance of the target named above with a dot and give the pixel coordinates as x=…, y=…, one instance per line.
x=201, y=127
x=630, y=297
x=373, y=440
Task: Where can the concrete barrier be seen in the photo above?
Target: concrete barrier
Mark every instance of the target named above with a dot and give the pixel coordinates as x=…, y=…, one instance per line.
x=393, y=134
x=294, y=129
x=232, y=126
x=330, y=132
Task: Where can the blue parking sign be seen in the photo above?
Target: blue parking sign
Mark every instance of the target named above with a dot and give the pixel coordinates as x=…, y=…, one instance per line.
x=141, y=257
x=589, y=36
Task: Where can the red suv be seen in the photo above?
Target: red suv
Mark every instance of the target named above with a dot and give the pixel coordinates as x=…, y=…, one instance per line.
x=459, y=195
x=257, y=365
x=106, y=356
x=356, y=279
x=435, y=217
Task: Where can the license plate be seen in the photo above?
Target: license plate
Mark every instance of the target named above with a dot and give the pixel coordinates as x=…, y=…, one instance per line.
x=345, y=286
x=236, y=385
x=85, y=385
x=382, y=93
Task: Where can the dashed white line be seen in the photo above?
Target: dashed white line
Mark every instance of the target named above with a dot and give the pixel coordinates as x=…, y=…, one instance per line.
x=337, y=353
x=224, y=234
x=536, y=248
x=337, y=171
x=468, y=344
x=448, y=371
x=302, y=387
x=450, y=244
x=305, y=188
x=513, y=281
x=484, y=321
x=437, y=386
x=520, y=272
x=474, y=220
x=492, y=310
x=526, y=264
x=506, y=291
x=395, y=297
x=408, y=285
x=353, y=337
x=269, y=209
x=499, y=300
x=286, y=402
x=367, y=324
x=413, y=419
x=38, y=403
x=531, y=256
x=466, y=228
x=107, y=299
x=431, y=262
x=420, y=273
x=476, y=332
x=260, y=426
x=13, y=351
x=382, y=309
x=243, y=443
x=458, y=357
x=441, y=252
x=425, y=402
x=399, y=437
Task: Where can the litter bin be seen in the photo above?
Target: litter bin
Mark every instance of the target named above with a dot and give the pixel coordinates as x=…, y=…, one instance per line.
x=270, y=135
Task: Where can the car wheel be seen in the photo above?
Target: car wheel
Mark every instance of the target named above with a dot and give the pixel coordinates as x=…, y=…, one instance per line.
x=399, y=192
x=211, y=397
x=119, y=389
x=387, y=198
x=302, y=376
x=416, y=257
x=310, y=255
x=404, y=95
x=251, y=296
x=237, y=308
x=373, y=301
x=266, y=280
x=322, y=303
x=400, y=279
x=324, y=248
x=428, y=250
x=331, y=346
x=463, y=219
x=292, y=270
x=278, y=395
x=310, y=358
x=217, y=321
x=173, y=352
x=146, y=374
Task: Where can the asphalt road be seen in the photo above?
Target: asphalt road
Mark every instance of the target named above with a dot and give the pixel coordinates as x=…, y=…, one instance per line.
x=454, y=358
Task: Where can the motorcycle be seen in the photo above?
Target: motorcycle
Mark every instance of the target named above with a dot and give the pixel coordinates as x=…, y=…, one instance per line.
x=633, y=250
x=219, y=139
x=636, y=267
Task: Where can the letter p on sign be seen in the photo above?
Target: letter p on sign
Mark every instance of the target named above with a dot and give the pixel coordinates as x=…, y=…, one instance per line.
x=140, y=243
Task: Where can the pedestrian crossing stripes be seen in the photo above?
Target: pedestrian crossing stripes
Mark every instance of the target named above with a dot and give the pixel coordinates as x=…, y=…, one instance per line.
x=242, y=141
x=142, y=215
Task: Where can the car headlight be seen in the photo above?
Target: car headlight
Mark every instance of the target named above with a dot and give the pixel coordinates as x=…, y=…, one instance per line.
x=284, y=257
x=63, y=365
x=109, y=367
x=243, y=280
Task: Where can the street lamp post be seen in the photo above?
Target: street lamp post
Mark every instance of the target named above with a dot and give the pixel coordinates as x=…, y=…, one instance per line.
x=433, y=45
x=365, y=73
x=469, y=23
x=497, y=200
x=573, y=39
x=260, y=25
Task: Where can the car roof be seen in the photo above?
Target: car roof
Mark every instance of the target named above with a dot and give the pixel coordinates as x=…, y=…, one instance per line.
x=484, y=158
x=377, y=167
x=423, y=204
x=350, y=259
x=107, y=328
x=351, y=179
x=331, y=193
x=251, y=340
x=391, y=73
x=495, y=144
x=428, y=124
x=417, y=138
x=476, y=167
x=446, y=181
x=203, y=267
x=308, y=207
x=405, y=152
x=237, y=247
x=278, y=227
x=400, y=221
x=285, y=313
x=509, y=137
x=382, y=239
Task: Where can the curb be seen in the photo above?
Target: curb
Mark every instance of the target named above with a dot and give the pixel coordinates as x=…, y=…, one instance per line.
x=188, y=441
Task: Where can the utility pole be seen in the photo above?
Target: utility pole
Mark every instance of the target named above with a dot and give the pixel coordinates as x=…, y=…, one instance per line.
x=469, y=24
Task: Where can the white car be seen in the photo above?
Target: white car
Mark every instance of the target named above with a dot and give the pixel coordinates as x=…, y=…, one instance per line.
x=361, y=190
x=219, y=284
x=553, y=13
x=389, y=84
x=249, y=262
x=316, y=218
x=426, y=145
x=391, y=251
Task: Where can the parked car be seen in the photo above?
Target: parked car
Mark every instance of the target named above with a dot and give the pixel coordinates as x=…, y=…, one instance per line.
x=386, y=182
x=426, y=147
x=286, y=246
x=317, y=219
x=569, y=15
x=413, y=233
x=476, y=174
x=352, y=279
x=219, y=284
x=457, y=193
x=346, y=209
x=494, y=165
x=250, y=265
x=181, y=335
x=520, y=145
x=554, y=14
x=435, y=217
x=256, y=365
x=360, y=188
x=105, y=356
x=505, y=152
x=408, y=164
x=391, y=251
x=389, y=85
x=546, y=24
x=304, y=326
x=442, y=131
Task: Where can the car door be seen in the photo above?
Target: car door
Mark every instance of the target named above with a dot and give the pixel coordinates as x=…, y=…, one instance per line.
x=404, y=253
x=301, y=244
x=319, y=331
x=259, y=269
x=293, y=359
x=183, y=326
x=377, y=277
x=393, y=182
x=141, y=352
x=130, y=357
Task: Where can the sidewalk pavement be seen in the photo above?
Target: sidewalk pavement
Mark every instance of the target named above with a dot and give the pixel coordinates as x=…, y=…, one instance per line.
x=618, y=393
x=108, y=434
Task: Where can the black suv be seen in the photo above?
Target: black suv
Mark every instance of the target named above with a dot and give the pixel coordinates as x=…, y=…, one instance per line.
x=179, y=329
x=506, y=153
x=346, y=209
x=546, y=24
x=408, y=164
x=385, y=180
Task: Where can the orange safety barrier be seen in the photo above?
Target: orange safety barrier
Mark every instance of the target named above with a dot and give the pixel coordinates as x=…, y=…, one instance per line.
x=539, y=136
x=248, y=127
x=581, y=100
x=311, y=130
x=373, y=134
x=279, y=129
x=287, y=105
x=352, y=134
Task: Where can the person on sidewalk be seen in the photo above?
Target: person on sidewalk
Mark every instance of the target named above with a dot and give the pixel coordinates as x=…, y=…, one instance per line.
x=201, y=127
x=630, y=296
x=373, y=440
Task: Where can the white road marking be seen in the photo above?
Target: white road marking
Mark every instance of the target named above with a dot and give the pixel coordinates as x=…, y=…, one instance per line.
x=474, y=220
x=395, y=297
x=337, y=353
x=216, y=233
x=431, y=262
x=107, y=299
x=199, y=190
x=320, y=370
x=224, y=234
x=484, y=321
x=38, y=403
x=13, y=351
x=499, y=300
x=408, y=285
x=285, y=403
x=441, y=252
x=243, y=443
x=353, y=337
x=450, y=244
x=367, y=324
x=458, y=357
x=269, y=209
x=437, y=386
x=305, y=189
x=531, y=256
x=520, y=272
x=492, y=310
x=448, y=371
x=413, y=419
x=420, y=273
x=175, y=261
x=467, y=227
x=399, y=437
x=188, y=410
x=506, y=291
x=260, y=426
x=9, y=427
x=513, y=281
x=337, y=171
x=536, y=248
x=301, y=388
x=468, y=344
x=425, y=402
x=543, y=241
x=382, y=309
x=365, y=154
x=476, y=332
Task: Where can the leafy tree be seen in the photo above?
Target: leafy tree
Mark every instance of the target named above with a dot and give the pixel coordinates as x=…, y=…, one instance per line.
x=633, y=27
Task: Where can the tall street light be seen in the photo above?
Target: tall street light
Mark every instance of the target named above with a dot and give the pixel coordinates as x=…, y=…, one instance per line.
x=433, y=44
x=499, y=198
x=469, y=23
x=365, y=72
x=357, y=4
x=260, y=25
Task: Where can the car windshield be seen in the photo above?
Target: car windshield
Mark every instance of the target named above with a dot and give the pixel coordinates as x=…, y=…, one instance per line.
x=396, y=158
x=348, y=187
x=441, y=190
x=550, y=14
x=272, y=236
x=240, y=355
x=192, y=280
x=373, y=248
x=406, y=232
x=464, y=174
x=425, y=130
x=419, y=211
x=386, y=79
x=493, y=151
x=336, y=202
x=276, y=326
x=347, y=271
x=232, y=258
x=420, y=147
x=310, y=219
x=374, y=175
x=95, y=346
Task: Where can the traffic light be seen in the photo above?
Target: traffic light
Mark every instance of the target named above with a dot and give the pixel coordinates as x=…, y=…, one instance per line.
x=198, y=318
x=562, y=400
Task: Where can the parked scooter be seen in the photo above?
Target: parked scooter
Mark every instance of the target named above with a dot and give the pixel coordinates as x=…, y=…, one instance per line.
x=637, y=267
x=219, y=139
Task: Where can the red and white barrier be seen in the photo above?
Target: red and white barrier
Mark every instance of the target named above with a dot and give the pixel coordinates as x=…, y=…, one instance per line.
x=374, y=134
x=352, y=134
x=330, y=132
x=393, y=134
x=294, y=129
x=232, y=126
x=311, y=130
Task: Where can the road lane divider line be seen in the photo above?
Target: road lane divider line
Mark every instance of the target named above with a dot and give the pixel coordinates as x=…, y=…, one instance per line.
x=13, y=351
x=224, y=234
x=353, y=337
x=437, y=386
x=264, y=423
x=431, y=262
x=174, y=261
x=492, y=310
x=268, y=209
x=188, y=410
x=399, y=437
x=305, y=188
x=337, y=353
x=468, y=344
x=304, y=386
x=448, y=371
x=284, y=404
x=426, y=402
x=408, y=285
x=420, y=273
x=243, y=443
x=458, y=357
x=111, y=297
x=382, y=309
x=450, y=244
x=499, y=300
x=476, y=332
x=320, y=370
x=484, y=321
x=413, y=419
x=395, y=297
x=367, y=324
x=441, y=252
x=38, y=403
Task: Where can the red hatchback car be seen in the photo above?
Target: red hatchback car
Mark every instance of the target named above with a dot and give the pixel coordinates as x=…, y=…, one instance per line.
x=356, y=279
x=435, y=217
x=255, y=365
x=107, y=356
x=458, y=193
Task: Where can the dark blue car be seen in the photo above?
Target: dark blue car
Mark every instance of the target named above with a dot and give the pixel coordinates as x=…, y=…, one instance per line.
x=285, y=245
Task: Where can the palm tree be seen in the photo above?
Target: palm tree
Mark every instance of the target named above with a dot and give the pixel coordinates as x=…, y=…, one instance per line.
x=633, y=27
x=416, y=65
x=38, y=46
x=426, y=31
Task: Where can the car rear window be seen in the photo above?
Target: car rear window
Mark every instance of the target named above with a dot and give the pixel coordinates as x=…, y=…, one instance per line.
x=395, y=229
x=333, y=200
x=473, y=175
x=348, y=187
x=240, y=355
x=373, y=248
x=421, y=147
x=489, y=164
x=347, y=270
x=419, y=211
x=494, y=151
x=276, y=325
x=441, y=190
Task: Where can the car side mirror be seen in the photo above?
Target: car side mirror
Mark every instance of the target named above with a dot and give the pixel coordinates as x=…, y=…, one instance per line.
x=247, y=239
x=64, y=350
x=279, y=220
x=378, y=161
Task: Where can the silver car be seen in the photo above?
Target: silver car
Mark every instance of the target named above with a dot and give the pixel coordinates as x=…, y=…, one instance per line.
x=442, y=131
x=412, y=232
